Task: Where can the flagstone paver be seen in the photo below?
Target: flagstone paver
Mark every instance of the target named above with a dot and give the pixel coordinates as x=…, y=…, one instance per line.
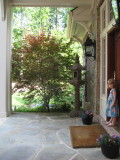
x=19, y=152
x=41, y=136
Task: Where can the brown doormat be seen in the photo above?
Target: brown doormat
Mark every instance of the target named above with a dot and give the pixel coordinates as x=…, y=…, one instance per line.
x=85, y=136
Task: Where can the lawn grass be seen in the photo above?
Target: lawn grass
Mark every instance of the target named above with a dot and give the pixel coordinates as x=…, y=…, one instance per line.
x=17, y=100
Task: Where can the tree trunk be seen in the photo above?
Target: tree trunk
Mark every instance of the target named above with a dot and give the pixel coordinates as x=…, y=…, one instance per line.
x=46, y=103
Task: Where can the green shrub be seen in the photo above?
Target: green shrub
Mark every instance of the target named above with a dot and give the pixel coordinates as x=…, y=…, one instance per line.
x=26, y=109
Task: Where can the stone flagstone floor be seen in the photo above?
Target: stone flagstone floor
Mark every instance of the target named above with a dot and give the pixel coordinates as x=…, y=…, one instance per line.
x=41, y=136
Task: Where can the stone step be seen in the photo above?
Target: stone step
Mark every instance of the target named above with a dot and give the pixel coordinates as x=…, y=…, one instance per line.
x=110, y=130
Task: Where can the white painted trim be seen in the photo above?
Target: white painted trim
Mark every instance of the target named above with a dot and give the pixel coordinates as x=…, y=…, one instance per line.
x=107, y=12
x=101, y=73
x=4, y=114
x=85, y=25
x=93, y=5
x=78, y=39
x=83, y=18
x=109, y=24
x=104, y=33
x=5, y=62
x=81, y=10
x=2, y=6
x=101, y=16
x=51, y=3
x=70, y=25
x=108, y=8
x=103, y=97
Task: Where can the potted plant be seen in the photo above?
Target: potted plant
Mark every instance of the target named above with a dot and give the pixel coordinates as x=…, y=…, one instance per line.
x=109, y=145
x=87, y=117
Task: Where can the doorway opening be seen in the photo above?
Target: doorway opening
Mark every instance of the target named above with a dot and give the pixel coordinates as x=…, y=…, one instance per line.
x=114, y=60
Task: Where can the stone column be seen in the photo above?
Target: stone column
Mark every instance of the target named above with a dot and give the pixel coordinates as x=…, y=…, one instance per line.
x=5, y=56
x=97, y=70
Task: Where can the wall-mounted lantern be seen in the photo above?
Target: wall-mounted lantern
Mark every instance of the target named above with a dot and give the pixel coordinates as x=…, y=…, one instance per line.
x=116, y=10
x=90, y=48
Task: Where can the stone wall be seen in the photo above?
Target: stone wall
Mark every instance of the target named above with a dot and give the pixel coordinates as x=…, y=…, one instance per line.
x=93, y=66
x=97, y=65
x=90, y=84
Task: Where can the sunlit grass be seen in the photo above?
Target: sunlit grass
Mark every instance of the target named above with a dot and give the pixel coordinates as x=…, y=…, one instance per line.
x=17, y=100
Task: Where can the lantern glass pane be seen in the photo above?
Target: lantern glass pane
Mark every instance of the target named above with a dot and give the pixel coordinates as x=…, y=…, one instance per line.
x=115, y=9
x=88, y=49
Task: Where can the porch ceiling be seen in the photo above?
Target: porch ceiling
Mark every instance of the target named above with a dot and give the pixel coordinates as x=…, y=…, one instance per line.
x=52, y=3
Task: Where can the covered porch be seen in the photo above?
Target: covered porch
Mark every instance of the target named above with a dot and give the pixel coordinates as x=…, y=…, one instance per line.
x=84, y=19
x=42, y=136
x=35, y=136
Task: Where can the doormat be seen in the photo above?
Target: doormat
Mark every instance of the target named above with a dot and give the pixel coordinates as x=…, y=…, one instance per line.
x=85, y=136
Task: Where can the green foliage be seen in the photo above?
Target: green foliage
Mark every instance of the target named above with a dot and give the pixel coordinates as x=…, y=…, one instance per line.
x=27, y=109
x=42, y=64
x=17, y=100
x=42, y=56
x=63, y=108
x=23, y=104
x=108, y=140
x=33, y=19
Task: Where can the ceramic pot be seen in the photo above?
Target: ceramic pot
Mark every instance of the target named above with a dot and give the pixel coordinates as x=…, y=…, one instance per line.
x=110, y=151
x=87, y=120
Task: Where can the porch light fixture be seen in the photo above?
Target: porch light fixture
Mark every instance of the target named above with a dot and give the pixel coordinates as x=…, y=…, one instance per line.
x=115, y=4
x=89, y=48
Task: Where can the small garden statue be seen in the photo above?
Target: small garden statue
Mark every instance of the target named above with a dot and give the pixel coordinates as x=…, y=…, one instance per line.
x=76, y=82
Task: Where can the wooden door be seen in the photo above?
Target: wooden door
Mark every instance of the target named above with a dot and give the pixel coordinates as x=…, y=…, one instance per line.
x=114, y=59
x=117, y=55
x=111, y=56
x=114, y=55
